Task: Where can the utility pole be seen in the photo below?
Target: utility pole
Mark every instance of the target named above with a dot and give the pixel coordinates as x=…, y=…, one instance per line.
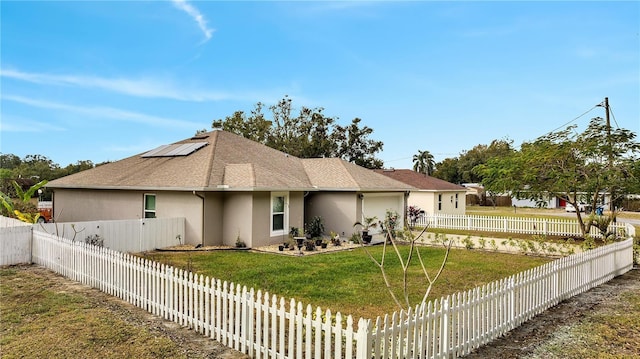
x=610, y=149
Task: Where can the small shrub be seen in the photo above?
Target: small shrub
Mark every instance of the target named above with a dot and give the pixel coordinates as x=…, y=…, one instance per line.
x=493, y=244
x=531, y=246
x=355, y=238
x=310, y=244
x=588, y=243
x=316, y=227
x=94, y=240
x=240, y=243
x=482, y=242
x=522, y=246
x=468, y=243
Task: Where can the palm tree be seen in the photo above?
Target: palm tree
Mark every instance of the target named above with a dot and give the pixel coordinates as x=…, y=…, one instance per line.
x=423, y=162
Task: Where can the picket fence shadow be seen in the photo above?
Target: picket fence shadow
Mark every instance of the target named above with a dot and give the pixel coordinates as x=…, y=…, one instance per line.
x=265, y=326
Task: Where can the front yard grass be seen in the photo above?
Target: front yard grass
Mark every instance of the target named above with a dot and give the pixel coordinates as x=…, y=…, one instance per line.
x=41, y=319
x=348, y=281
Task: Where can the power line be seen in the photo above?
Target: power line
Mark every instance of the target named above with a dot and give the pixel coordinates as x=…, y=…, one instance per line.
x=614, y=117
x=566, y=124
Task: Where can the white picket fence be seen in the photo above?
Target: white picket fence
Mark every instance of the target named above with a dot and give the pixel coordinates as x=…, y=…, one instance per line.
x=124, y=236
x=252, y=322
x=265, y=326
x=455, y=325
x=136, y=235
x=539, y=226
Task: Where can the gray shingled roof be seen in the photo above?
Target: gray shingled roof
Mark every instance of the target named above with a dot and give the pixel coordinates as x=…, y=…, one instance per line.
x=420, y=180
x=335, y=173
x=229, y=162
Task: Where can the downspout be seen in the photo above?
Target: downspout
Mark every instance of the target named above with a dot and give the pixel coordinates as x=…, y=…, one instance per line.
x=203, y=223
x=406, y=206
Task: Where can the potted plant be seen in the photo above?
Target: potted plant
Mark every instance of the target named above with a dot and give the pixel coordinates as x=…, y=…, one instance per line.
x=369, y=222
x=315, y=228
x=335, y=238
x=294, y=234
x=324, y=244
x=310, y=245
x=292, y=244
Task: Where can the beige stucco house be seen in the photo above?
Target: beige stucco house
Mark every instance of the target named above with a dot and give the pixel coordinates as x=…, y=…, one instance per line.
x=228, y=188
x=433, y=195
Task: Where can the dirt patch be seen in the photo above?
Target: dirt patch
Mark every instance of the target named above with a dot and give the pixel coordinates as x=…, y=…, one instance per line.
x=537, y=337
x=190, y=344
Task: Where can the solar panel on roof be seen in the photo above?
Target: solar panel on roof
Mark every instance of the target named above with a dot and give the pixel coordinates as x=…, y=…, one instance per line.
x=181, y=149
x=155, y=151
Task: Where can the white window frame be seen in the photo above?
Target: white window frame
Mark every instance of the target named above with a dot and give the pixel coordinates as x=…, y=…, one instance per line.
x=144, y=205
x=456, y=200
x=439, y=201
x=285, y=213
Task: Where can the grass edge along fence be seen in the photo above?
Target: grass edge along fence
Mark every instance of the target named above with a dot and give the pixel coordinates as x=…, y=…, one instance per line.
x=262, y=325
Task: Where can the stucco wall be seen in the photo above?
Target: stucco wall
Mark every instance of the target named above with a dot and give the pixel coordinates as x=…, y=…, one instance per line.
x=428, y=201
x=337, y=209
x=91, y=205
x=238, y=217
x=213, y=218
x=181, y=204
x=296, y=210
x=261, y=212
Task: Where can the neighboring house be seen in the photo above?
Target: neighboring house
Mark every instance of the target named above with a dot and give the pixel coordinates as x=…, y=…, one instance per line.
x=557, y=202
x=433, y=195
x=546, y=203
x=228, y=188
x=474, y=189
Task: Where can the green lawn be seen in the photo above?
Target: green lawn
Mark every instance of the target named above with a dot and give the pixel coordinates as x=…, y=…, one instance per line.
x=348, y=281
x=40, y=318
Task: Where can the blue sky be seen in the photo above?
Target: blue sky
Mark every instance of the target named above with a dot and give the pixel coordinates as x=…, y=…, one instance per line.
x=101, y=81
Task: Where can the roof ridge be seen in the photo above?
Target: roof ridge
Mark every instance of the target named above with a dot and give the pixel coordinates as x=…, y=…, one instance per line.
x=342, y=163
x=214, y=144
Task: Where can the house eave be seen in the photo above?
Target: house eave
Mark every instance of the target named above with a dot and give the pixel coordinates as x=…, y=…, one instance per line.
x=219, y=188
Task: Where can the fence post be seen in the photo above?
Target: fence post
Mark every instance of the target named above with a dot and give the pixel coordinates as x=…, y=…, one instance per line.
x=445, y=331
x=140, y=234
x=363, y=339
x=31, y=246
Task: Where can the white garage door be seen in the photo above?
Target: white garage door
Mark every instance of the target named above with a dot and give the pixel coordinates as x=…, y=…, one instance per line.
x=377, y=204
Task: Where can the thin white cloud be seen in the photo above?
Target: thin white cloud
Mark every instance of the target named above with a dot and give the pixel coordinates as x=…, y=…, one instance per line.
x=196, y=15
x=106, y=112
x=11, y=123
x=148, y=88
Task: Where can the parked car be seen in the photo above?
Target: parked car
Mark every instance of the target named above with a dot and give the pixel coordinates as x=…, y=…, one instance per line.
x=583, y=207
x=46, y=211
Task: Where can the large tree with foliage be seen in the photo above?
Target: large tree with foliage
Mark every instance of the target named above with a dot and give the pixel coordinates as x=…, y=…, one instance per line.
x=460, y=169
x=309, y=133
x=447, y=170
x=31, y=169
x=354, y=145
x=573, y=166
x=423, y=162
